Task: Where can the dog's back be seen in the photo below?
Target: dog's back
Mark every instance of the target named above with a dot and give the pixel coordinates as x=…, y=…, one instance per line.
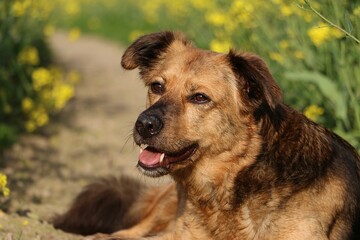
x=306, y=170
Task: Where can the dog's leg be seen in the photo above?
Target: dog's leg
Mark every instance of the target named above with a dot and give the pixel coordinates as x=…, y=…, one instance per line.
x=162, y=204
x=158, y=210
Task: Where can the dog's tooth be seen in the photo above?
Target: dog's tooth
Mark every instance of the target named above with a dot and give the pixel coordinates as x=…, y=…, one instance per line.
x=162, y=157
x=143, y=146
x=141, y=150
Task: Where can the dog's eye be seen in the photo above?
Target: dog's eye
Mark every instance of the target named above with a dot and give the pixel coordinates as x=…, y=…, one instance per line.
x=199, y=98
x=157, y=88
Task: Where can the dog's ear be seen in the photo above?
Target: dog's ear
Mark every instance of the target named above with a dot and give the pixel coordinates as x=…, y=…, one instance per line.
x=148, y=49
x=256, y=81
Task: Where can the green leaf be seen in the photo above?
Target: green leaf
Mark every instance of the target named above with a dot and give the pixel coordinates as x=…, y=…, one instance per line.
x=327, y=87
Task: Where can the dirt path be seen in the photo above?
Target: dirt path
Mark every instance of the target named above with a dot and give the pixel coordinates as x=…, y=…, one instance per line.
x=89, y=139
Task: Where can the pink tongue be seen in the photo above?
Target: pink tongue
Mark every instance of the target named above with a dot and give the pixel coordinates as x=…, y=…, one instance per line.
x=149, y=158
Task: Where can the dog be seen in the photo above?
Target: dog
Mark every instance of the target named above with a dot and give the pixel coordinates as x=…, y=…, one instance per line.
x=245, y=165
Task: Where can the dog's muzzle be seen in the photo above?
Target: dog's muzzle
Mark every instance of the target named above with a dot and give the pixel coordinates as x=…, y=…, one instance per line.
x=148, y=125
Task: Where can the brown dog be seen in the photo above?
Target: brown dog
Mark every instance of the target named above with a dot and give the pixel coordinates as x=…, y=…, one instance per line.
x=246, y=165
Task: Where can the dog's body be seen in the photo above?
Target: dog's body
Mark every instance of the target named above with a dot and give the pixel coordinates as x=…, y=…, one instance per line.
x=246, y=165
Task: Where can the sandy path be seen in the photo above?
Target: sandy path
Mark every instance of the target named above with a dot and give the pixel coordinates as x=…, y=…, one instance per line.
x=89, y=138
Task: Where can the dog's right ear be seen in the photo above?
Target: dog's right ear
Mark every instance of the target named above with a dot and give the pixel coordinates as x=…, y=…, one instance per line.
x=148, y=49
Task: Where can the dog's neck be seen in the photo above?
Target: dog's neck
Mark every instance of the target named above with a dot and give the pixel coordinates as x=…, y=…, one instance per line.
x=209, y=184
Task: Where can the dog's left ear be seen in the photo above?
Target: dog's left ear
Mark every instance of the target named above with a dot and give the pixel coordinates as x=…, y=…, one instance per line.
x=148, y=49
x=255, y=79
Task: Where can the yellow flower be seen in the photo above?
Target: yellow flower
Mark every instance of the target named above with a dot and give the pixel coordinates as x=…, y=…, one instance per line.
x=29, y=55
x=286, y=10
x=62, y=94
x=216, y=18
x=134, y=35
x=313, y=112
x=276, y=57
x=299, y=54
x=30, y=126
x=336, y=33
x=356, y=11
x=72, y=7
x=18, y=8
x=319, y=34
x=200, y=4
x=27, y=104
x=308, y=17
x=26, y=222
x=39, y=117
x=41, y=77
x=322, y=33
x=49, y=30
x=284, y=44
x=220, y=46
x=3, y=188
x=74, y=34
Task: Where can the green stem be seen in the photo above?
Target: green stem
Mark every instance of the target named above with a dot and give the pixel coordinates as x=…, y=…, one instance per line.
x=332, y=24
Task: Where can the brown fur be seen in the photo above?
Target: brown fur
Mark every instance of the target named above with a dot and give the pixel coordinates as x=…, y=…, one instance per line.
x=258, y=169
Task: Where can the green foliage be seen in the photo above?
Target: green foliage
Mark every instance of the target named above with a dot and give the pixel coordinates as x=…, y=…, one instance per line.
x=29, y=85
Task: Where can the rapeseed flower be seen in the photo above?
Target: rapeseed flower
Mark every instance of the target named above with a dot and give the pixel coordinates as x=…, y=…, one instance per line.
x=277, y=57
x=29, y=56
x=284, y=44
x=72, y=7
x=74, y=34
x=299, y=54
x=356, y=11
x=27, y=104
x=286, y=10
x=243, y=13
x=322, y=33
x=222, y=46
x=30, y=126
x=200, y=4
x=134, y=35
x=313, y=112
x=41, y=77
x=49, y=30
x=39, y=116
x=62, y=93
x=19, y=7
x=216, y=18
x=3, y=185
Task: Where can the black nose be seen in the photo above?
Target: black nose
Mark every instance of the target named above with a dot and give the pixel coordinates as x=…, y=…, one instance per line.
x=148, y=125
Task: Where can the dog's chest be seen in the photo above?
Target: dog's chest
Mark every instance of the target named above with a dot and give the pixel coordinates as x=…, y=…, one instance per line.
x=243, y=223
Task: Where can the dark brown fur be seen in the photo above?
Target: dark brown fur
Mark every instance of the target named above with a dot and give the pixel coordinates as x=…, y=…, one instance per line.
x=258, y=169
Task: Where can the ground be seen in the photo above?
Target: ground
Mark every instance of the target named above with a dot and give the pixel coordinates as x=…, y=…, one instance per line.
x=90, y=138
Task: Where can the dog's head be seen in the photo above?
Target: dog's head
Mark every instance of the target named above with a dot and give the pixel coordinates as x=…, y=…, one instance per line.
x=200, y=103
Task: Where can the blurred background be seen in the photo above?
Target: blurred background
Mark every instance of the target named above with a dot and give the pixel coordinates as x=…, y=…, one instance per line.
x=312, y=48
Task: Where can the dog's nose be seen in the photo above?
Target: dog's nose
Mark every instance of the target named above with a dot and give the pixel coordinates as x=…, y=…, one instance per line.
x=148, y=125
